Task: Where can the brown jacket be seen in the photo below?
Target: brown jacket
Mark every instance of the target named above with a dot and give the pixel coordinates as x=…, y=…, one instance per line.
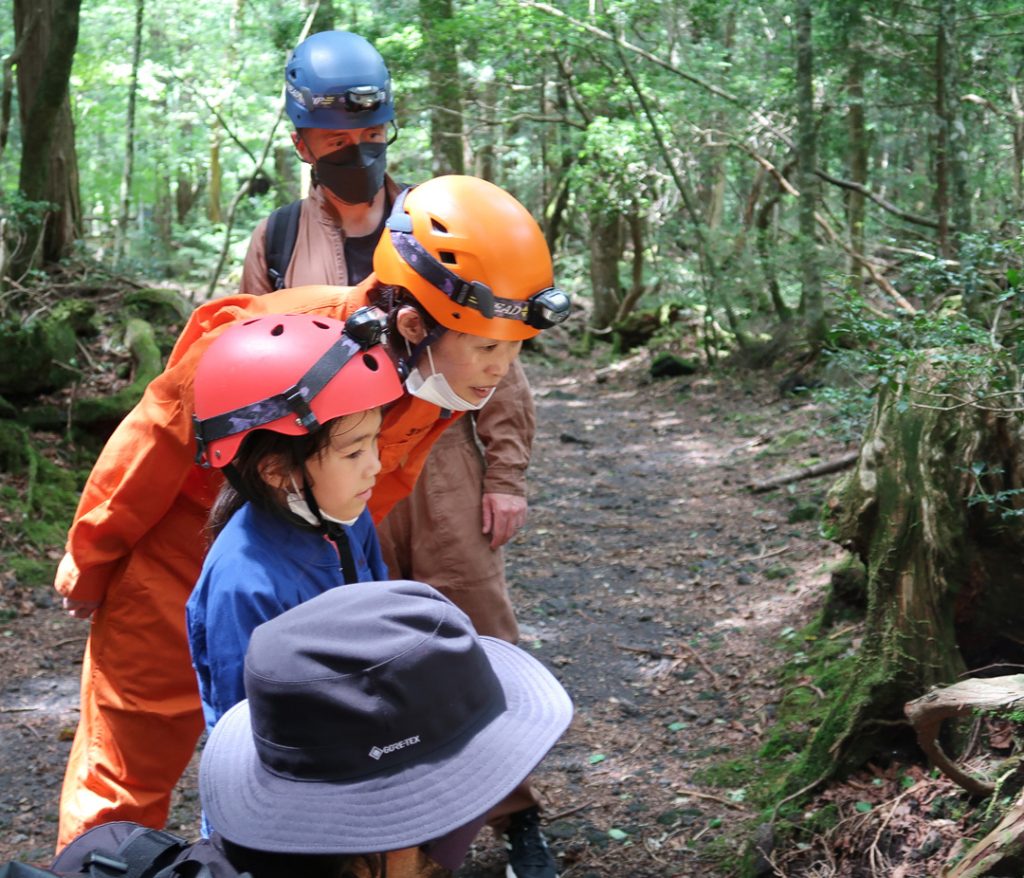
x=319, y=254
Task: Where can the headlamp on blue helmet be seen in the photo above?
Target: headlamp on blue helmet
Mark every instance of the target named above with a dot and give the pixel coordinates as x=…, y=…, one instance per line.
x=337, y=80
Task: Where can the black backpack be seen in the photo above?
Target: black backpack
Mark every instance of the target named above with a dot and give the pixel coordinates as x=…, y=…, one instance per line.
x=128, y=850
x=282, y=229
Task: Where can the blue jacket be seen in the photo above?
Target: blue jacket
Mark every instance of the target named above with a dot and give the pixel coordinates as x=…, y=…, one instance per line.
x=259, y=566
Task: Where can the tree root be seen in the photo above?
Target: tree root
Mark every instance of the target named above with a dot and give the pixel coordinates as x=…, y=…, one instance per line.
x=927, y=713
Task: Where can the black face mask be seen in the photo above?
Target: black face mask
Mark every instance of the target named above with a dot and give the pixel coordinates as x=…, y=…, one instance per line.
x=355, y=173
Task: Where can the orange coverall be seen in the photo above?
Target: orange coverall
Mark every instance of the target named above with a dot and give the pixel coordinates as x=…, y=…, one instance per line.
x=137, y=543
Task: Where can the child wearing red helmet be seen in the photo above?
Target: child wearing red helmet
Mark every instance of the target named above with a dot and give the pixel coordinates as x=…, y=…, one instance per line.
x=289, y=407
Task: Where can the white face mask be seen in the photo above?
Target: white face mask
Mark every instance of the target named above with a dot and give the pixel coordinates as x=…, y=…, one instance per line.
x=296, y=501
x=436, y=389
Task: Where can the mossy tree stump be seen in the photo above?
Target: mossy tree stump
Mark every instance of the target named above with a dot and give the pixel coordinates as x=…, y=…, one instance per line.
x=106, y=410
x=943, y=571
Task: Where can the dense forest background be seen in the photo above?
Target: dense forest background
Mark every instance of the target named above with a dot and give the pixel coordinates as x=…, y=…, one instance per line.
x=751, y=162
x=832, y=190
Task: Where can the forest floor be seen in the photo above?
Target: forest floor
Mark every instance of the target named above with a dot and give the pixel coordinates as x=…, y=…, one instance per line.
x=662, y=592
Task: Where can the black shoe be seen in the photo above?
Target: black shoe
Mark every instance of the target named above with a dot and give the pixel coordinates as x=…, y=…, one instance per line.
x=528, y=854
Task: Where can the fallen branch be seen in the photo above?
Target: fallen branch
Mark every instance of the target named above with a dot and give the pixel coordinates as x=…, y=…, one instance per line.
x=551, y=818
x=748, y=558
x=697, y=794
x=821, y=469
x=714, y=677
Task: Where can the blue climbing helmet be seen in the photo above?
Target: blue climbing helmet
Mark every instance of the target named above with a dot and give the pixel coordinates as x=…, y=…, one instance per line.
x=336, y=79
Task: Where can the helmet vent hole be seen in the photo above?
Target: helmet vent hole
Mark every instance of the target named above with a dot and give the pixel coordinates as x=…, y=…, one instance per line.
x=448, y=258
x=277, y=330
x=320, y=325
x=438, y=227
x=370, y=362
x=456, y=315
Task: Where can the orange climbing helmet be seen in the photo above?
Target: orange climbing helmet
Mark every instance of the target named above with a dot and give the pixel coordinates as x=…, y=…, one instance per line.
x=288, y=373
x=473, y=257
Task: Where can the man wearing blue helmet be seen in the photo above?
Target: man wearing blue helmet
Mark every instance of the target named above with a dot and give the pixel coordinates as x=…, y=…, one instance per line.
x=338, y=96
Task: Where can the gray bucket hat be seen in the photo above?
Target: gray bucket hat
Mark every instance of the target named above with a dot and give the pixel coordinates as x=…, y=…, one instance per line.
x=376, y=719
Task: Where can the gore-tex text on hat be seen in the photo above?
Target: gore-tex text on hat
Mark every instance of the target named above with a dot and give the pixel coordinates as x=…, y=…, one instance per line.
x=377, y=752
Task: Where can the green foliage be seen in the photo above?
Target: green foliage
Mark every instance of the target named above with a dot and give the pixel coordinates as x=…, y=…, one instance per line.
x=38, y=497
x=972, y=334
x=19, y=216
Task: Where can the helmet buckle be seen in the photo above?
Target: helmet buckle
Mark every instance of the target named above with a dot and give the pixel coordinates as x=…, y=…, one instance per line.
x=475, y=295
x=202, y=458
x=296, y=400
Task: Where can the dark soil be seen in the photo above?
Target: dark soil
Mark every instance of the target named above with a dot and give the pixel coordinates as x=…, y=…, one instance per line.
x=649, y=578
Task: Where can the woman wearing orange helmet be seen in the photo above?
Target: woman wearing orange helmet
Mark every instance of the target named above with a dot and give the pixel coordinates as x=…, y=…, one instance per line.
x=136, y=544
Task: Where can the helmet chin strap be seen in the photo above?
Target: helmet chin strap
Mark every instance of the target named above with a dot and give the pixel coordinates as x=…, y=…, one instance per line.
x=416, y=351
x=334, y=532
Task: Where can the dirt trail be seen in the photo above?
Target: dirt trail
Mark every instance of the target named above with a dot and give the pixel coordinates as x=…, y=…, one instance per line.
x=648, y=578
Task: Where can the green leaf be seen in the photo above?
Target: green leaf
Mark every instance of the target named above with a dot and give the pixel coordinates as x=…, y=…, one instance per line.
x=863, y=807
x=595, y=758
x=617, y=834
x=676, y=726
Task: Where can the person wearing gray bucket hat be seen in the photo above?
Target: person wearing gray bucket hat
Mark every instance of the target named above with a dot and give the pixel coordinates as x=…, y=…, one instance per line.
x=378, y=730
x=376, y=719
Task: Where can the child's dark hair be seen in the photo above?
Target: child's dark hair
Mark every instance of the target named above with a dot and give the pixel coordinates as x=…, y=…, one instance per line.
x=290, y=452
x=269, y=864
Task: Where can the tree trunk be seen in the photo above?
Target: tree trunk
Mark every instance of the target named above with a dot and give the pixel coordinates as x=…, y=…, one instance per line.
x=486, y=157
x=811, y=305
x=943, y=570
x=952, y=119
x=49, y=165
x=213, y=211
x=637, y=288
x=1017, y=172
x=186, y=191
x=951, y=197
x=557, y=204
x=441, y=58
x=858, y=157
x=605, y=244
x=129, y=143
x=765, y=240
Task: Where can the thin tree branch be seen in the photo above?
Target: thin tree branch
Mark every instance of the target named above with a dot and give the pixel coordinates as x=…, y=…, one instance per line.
x=257, y=167
x=611, y=38
x=881, y=202
x=217, y=115
x=867, y=264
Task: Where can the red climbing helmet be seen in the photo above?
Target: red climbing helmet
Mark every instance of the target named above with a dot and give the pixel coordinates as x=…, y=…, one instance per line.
x=289, y=373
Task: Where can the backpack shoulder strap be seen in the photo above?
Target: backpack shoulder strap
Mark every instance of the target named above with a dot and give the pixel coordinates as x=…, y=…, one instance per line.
x=282, y=230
